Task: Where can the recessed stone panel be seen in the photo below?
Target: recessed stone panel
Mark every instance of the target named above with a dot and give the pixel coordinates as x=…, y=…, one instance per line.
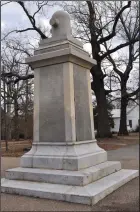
x=52, y=123
x=81, y=97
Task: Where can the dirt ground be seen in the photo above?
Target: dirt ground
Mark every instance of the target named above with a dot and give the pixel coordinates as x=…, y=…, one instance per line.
x=124, y=199
x=117, y=142
x=16, y=148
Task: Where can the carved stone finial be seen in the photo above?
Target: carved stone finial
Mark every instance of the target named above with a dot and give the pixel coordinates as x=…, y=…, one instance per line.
x=60, y=23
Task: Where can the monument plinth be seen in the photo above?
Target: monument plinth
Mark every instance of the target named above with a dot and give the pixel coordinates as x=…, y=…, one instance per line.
x=63, y=117
x=64, y=156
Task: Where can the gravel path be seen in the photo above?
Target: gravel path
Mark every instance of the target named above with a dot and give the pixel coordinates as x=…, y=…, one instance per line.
x=125, y=198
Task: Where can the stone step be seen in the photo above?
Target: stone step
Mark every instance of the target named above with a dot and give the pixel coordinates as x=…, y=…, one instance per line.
x=89, y=194
x=77, y=178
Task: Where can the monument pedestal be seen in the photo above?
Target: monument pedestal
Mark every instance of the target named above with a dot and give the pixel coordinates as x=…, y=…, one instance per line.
x=64, y=157
x=87, y=186
x=63, y=117
x=65, y=162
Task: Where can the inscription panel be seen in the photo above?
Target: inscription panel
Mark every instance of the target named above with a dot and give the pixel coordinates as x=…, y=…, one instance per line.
x=52, y=121
x=81, y=96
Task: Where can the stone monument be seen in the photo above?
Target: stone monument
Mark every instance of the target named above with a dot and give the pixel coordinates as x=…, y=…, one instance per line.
x=65, y=162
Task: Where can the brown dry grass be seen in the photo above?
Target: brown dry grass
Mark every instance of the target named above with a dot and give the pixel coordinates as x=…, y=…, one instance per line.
x=116, y=142
x=15, y=148
x=108, y=147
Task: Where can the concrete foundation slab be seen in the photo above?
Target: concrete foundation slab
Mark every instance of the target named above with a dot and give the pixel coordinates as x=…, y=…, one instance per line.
x=89, y=194
x=77, y=178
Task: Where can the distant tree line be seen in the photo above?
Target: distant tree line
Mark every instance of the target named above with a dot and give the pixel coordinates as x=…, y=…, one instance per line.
x=112, y=30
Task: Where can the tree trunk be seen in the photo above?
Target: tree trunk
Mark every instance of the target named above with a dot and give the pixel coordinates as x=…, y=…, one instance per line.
x=26, y=112
x=9, y=121
x=5, y=116
x=103, y=128
x=0, y=110
x=123, y=114
x=8, y=113
x=16, y=121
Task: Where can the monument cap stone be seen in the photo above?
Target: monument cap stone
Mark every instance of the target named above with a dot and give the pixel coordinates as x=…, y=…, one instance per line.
x=60, y=23
x=62, y=47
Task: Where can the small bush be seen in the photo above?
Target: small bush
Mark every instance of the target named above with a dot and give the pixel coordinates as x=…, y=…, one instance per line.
x=21, y=136
x=137, y=129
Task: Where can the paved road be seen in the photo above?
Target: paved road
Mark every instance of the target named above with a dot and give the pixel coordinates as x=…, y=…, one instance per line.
x=123, y=199
x=125, y=152
x=129, y=156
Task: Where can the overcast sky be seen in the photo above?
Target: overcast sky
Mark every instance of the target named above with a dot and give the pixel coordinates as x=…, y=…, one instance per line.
x=13, y=17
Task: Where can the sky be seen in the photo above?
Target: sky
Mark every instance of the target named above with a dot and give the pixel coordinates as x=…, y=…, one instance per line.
x=13, y=17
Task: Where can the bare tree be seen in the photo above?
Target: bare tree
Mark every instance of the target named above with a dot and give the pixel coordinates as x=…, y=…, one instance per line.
x=124, y=65
x=4, y=114
x=13, y=55
x=35, y=26
x=95, y=23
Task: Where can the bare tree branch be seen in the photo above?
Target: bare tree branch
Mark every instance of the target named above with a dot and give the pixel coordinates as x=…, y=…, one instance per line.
x=110, y=91
x=2, y=4
x=113, y=62
x=39, y=7
x=29, y=76
x=24, y=30
x=8, y=34
x=134, y=100
x=112, y=100
x=19, y=77
x=113, y=33
x=133, y=93
x=32, y=20
x=110, y=51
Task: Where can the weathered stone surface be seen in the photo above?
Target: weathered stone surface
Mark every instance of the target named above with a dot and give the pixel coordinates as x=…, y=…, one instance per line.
x=51, y=100
x=70, y=54
x=89, y=194
x=75, y=178
x=60, y=23
x=57, y=155
x=81, y=97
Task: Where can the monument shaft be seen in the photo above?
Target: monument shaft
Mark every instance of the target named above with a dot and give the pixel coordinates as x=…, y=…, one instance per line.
x=63, y=110
x=63, y=117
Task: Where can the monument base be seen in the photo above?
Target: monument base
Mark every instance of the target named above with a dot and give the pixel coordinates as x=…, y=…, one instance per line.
x=59, y=155
x=105, y=177
x=78, y=173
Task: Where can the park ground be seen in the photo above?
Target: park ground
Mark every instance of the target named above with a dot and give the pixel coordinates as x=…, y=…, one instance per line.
x=17, y=148
x=126, y=198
